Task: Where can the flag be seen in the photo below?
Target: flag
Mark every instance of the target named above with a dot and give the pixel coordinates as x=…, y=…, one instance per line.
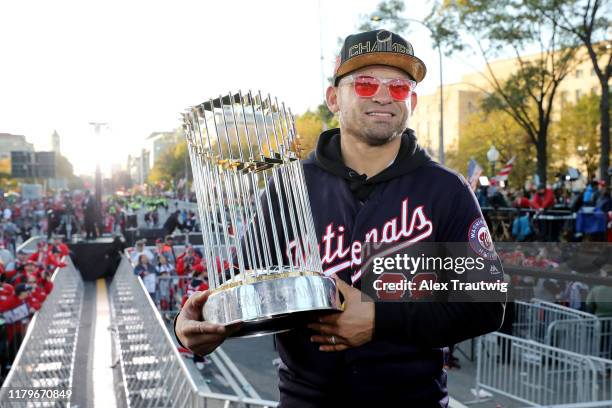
x=474, y=172
x=505, y=171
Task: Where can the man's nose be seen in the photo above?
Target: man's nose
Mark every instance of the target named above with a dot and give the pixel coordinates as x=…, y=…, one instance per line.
x=383, y=96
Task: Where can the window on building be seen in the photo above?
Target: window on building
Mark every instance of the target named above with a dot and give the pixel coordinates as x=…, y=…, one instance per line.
x=578, y=94
x=592, y=71
x=578, y=73
x=564, y=97
x=594, y=90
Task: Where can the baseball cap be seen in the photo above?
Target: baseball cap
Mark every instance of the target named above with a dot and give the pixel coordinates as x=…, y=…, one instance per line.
x=378, y=47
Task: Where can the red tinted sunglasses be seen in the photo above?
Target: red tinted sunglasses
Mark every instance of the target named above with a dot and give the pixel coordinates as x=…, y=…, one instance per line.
x=367, y=86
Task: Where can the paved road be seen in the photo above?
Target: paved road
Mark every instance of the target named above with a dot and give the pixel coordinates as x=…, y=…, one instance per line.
x=253, y=357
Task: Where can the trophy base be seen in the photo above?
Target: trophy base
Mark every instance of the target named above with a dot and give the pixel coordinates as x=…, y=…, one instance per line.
x=272, y=303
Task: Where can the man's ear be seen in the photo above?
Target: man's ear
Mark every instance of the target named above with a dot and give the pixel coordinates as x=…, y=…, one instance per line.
x=413, y=101
x=331, y=97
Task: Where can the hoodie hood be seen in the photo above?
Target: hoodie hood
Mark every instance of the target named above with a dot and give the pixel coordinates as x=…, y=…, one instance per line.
x=328, y=156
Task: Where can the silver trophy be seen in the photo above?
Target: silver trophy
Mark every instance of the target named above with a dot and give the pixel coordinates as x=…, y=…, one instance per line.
x=260, y=244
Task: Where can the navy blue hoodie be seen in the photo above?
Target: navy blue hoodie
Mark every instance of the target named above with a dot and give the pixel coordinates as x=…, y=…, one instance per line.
x=413, y=199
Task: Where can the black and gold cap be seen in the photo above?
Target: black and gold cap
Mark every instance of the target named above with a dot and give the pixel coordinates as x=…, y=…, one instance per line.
x=378, y=47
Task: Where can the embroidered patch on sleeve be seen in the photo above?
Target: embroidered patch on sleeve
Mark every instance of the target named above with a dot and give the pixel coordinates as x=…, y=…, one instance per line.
x=480, y=239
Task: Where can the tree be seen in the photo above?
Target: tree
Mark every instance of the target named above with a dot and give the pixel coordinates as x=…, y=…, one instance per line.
x=492, y=27
x=578, y=130
x=589, y=21
x=173, y=164
x=388, y=11
x=499, y=129
x=309, y=126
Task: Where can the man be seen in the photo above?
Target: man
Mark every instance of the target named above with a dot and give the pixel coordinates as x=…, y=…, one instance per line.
x=188, y=262
x=140, y=249
x=364, y=179
x=90, y=209
x=544, y=198
x=172, y=223
x=168, y=249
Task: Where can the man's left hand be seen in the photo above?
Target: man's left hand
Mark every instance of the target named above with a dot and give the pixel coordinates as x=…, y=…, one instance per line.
x=351, y=328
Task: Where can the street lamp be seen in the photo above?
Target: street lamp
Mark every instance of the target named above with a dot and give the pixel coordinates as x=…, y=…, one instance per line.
x=378, y=18
x=98, y=126
x=492, y=157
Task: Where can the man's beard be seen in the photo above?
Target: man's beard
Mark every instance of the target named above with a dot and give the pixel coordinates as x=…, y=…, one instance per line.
x=376, y=139
x=375, y=135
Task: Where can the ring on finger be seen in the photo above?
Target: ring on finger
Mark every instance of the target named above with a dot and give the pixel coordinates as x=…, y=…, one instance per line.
x=333, y=340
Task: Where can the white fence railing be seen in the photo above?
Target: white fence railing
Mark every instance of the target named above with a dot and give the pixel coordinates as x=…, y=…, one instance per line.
x=45, y=360
x=541, y=375
x=154, y=373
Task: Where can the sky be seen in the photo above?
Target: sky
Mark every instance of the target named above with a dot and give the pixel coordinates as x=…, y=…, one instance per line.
x=137, y=65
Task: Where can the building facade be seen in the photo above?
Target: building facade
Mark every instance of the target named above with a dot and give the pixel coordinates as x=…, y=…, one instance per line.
x=10, y=143
x=463, y=99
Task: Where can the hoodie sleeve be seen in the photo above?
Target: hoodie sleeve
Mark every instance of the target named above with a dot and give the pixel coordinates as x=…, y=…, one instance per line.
x=443, y=323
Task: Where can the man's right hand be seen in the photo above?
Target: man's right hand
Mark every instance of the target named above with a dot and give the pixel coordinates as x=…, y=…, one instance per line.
x=197, y=335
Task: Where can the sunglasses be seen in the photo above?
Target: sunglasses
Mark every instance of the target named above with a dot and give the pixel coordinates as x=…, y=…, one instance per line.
x=367, y=86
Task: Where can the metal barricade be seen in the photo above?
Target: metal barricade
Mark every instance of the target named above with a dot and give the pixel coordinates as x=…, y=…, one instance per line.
x=30, y=245
x=538, y=374
x=154, y=373
x=169, y=294
x=592, y=336
x=564, y=328
x=46, y=356
x=532, y=319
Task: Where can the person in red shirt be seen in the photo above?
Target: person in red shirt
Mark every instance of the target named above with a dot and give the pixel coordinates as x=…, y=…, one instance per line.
x=8, y=299
x=45, y=257
x=544, y=198
x=32, y=269
x=59, y=247
x=188, y=261
x=522, y=200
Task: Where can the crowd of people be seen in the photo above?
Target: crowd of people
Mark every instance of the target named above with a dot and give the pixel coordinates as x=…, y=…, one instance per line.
x=77, y=213
x=25, y=284
x=170, y=274
x=25, y=277
x=552, y=213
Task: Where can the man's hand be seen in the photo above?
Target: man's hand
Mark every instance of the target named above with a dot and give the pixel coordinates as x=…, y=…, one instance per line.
x=351, y=328
x=198, y=336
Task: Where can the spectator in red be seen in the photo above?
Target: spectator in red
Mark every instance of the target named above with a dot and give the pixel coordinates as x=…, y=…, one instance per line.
x=522, y=200
x=16, y=267
x=37, y=293
x=162, y=250
x=8, y=299
x=199, y=283
x=544, y=198
x=59, y=248
x=44, y=257
x=188, y=261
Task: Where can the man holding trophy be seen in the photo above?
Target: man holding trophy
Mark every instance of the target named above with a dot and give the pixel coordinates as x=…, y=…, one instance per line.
x=369, y=181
